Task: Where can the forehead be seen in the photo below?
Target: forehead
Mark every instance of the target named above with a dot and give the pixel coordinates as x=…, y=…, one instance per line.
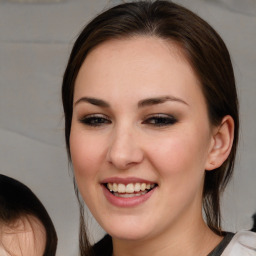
x=147, y=64
x=24, y=236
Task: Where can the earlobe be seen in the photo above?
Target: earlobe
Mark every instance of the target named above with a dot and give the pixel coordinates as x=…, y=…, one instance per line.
x=222, y=143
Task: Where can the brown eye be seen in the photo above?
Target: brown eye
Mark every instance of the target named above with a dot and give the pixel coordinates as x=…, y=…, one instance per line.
x=160, y=120
x=95, y=120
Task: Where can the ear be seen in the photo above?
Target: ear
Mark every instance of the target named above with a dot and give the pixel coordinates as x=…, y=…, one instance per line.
x=221, y=145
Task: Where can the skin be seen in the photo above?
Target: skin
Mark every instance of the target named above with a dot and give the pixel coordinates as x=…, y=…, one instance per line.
x=26, y=236
x=129, y=142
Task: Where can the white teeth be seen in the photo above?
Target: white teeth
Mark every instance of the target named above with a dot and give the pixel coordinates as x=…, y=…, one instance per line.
x=110, y=186
x=143, y=187
x=137, y=187
x=115, y=188
x=130, y=195
x=129, y=188
x=121, y=188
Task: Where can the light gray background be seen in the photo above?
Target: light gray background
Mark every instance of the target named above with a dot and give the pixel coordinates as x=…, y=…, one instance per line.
x=35, y=40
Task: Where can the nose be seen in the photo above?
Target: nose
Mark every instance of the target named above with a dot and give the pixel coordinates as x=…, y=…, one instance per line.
x=124, y=150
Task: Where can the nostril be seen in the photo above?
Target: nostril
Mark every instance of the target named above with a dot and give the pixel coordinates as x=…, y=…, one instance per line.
x=124, y=158
x=123, y=161
x=124, y=150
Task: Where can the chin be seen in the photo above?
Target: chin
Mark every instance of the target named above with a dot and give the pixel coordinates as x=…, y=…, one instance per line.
x=128, y=232
x=128, y=235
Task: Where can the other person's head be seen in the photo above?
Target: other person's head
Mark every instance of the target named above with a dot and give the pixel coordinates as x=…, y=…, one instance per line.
x=25, y=226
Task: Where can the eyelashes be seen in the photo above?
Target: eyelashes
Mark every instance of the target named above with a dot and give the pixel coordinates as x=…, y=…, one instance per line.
x=159, y=120
x=95, y=120
x=155, y=120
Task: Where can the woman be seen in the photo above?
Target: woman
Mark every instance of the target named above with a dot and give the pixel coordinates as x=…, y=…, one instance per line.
x=151, y=125
x=25, y=226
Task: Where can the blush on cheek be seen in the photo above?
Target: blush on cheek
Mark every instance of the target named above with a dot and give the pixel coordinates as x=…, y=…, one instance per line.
x=171, y=156
x=87, y=154
x=176, y=158
x=83, y=163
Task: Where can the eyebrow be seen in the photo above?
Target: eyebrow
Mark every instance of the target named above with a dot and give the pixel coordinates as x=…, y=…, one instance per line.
x=159, y=100
x=141, y=103
x=93, y=101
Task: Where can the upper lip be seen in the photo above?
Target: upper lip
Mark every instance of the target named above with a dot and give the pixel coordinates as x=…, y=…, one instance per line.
x=126, y=181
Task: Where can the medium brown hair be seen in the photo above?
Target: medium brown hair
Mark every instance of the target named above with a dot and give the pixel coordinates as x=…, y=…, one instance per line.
x=202, y=47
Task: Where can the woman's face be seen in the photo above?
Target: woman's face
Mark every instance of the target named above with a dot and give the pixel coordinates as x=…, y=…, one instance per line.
x=140, y=128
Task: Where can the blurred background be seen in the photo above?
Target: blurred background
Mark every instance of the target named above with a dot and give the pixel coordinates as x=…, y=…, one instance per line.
x=36, y=37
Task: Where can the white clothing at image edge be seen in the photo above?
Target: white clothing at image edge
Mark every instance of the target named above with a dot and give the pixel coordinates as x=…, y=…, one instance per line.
x=242, y=244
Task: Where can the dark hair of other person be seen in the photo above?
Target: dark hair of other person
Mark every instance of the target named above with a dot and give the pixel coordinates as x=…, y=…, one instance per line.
x=207, y=55
x=17, y=200
x=253, y=229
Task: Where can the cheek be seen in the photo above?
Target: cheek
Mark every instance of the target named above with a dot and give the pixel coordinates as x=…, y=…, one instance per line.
x=85, y=153
x=87, y=157
x=182, y=157
x=181, y=170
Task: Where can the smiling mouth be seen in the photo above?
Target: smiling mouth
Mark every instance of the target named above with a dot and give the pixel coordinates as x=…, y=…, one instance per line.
x=129, y=190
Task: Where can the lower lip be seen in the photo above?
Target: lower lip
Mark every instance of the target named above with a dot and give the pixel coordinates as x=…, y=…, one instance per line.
x=126, y=202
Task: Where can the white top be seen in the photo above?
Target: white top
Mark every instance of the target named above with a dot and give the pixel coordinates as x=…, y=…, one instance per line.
x=242, y=244
x=3, y=251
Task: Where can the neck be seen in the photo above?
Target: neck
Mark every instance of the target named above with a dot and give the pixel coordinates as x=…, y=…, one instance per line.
x=196, y=239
